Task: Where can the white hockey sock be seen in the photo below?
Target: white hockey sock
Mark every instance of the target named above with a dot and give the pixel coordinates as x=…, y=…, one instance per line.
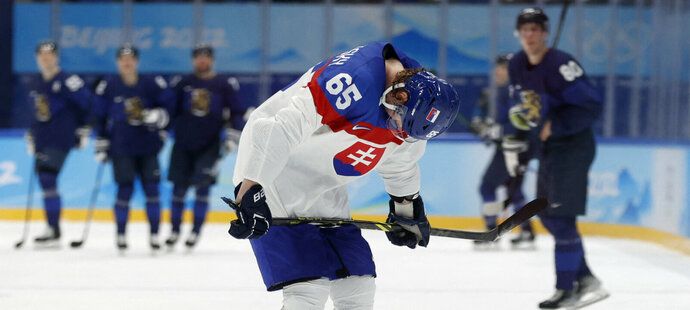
x=353, y=293
x=309, y=295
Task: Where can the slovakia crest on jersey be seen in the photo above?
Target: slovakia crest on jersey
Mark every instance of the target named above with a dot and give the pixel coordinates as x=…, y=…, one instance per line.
x=357, y=159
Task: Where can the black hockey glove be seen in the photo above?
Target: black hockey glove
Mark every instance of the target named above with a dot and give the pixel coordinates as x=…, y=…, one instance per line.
x=408, y=213
x=253, y=215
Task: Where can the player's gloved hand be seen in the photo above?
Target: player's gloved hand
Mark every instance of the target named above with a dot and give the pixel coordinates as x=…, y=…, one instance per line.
x=487, y=130
x=30, y=144
x=82, y=136
x=102, y=146
x=231, y=141
x=253, y=215
x=157, y=118
x=512, y=147
x=476, y=124
x=408, y=213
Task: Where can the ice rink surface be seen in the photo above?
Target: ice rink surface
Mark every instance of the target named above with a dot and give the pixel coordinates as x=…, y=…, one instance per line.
x=221, y=273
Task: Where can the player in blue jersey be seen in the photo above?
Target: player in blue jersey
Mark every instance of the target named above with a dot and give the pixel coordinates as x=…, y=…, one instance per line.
x=368, y=108
x=61, y=105
x=496, y=175
x=207, y=121
x=555, y=98
x=131, y=113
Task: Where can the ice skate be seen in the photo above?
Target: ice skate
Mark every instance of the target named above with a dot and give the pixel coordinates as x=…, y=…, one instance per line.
x=172, y=240
x=561, y=299
x=121, y=242
x=154, y=243
x=192, y=240
x=50, y=238
x=589, y=290
x=523, y=241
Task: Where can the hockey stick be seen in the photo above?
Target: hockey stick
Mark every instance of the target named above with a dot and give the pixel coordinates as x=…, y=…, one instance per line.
x=525, y=213
x=89, y=213
x=561, y=21
x=29, y=201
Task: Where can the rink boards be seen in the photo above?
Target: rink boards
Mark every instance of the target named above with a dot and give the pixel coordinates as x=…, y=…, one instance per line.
x=639, y=187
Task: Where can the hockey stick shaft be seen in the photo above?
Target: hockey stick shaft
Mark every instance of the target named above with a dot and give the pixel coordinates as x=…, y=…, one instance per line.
x=29, y=202
x=92, y=206
x=561, y=21
x=526, y=212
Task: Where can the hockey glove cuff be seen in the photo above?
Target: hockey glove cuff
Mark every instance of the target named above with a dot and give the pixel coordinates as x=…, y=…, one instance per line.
x=511, y=153
x=253, y=215
x=102, y=146
x=231, y=141
x=412, y=227
x=81, y=136
x=30, y=144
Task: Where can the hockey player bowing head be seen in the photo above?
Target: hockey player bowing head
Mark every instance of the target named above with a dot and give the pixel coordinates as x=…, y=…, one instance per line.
x=130, y=114
x=369, y=108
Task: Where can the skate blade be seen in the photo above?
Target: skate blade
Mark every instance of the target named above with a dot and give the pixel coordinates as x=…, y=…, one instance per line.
x=487, y=248
x=589, y=299
x=49, y=245
x=155, y=251
x=524, y=246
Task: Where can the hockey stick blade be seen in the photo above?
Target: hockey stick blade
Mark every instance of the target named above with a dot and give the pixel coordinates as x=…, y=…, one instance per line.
x=92, y=204
x=526, y=212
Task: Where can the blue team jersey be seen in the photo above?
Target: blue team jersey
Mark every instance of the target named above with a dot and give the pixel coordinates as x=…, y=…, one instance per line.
x=60, y=106
x=203, y=108
x=119, y=114
x=503, y=104
x=559, y=84
x=347, y=89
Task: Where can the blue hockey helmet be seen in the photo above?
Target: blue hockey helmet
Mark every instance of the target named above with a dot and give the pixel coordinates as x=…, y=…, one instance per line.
x=47, y=46
x=431, y=108
x=202, y=49
x=532, y=15
x=127, y=49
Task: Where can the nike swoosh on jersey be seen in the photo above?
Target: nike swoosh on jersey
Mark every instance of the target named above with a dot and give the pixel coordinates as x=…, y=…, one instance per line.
x=358, y=127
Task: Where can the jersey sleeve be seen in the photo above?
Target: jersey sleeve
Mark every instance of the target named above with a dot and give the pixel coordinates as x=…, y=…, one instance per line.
x=79, y=96
x=165, y=96
x=270, y=136
x=238, y=111
x=176, y=86
x=400, y=172
x=573, y=87
x=99, y=109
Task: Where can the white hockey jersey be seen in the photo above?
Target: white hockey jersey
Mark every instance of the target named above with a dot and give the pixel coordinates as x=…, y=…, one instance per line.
x=309, y=140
